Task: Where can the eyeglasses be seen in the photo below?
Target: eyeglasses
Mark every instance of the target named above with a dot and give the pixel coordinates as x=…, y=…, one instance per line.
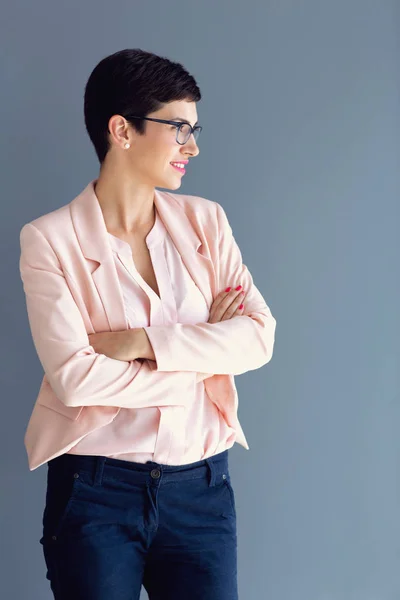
x=183, y=130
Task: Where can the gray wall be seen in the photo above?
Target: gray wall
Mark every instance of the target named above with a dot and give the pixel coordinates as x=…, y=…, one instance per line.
x=301, y=146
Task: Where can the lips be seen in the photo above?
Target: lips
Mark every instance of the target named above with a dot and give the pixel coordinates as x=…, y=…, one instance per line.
x=178, y=168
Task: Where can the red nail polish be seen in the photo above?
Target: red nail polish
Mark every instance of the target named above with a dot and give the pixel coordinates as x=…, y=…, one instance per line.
x=238, y=287
x=228, y=289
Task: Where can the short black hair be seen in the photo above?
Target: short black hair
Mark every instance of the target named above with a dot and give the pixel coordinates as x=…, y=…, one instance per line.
x=132, y=82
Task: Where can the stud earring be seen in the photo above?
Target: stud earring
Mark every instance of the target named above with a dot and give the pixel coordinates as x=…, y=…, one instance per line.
x=127, y=145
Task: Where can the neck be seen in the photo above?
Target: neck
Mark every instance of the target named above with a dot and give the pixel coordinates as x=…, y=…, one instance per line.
x=127, y=205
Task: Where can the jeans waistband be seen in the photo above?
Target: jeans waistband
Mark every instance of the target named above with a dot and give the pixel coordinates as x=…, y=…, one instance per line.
x=97, y=468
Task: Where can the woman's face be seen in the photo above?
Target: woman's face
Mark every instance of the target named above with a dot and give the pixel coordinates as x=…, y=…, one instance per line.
x=151, y=154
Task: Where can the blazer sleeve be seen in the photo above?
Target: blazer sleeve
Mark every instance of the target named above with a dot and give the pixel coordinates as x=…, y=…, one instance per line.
x=235, y=346
x=78, y=375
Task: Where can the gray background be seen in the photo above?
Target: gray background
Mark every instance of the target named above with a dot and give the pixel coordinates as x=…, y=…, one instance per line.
x=301, y=146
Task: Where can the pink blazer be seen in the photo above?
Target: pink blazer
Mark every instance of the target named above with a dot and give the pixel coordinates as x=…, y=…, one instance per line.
x=72, y=289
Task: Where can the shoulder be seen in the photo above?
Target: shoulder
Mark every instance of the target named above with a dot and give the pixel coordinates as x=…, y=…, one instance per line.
x=50, y=222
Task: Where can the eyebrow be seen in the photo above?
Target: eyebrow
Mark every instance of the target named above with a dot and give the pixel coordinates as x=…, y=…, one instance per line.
x=184, y=121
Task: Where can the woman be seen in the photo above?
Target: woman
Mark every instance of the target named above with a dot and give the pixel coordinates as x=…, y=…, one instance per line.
x=141, y=312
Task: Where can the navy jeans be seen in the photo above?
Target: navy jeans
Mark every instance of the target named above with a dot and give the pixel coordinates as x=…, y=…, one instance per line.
x=111, y=525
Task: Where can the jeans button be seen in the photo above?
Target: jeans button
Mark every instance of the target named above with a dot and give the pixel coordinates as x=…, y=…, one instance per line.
x=155, y=473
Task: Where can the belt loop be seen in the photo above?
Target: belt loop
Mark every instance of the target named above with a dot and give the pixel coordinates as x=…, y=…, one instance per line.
x=211, y=466
x=98, y=472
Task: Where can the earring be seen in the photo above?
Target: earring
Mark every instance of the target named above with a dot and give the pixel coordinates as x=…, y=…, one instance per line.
x=127, y=145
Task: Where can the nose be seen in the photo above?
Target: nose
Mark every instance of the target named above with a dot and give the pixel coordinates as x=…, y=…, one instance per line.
x=191, y=145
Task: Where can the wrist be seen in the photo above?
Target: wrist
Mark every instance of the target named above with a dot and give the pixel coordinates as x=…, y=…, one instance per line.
x=143, y=347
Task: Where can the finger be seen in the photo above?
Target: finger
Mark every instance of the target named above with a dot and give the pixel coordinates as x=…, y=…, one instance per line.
x=226, y=300
x=227, y=307
x=234, y=309
x=220, y=298
x=216, y=305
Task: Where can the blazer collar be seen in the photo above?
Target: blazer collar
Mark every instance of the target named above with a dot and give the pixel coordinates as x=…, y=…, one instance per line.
x=92, y=234
x=91, y=229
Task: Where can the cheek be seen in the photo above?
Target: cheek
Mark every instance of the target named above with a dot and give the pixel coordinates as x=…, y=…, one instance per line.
x=156, y=154
x=149, y=159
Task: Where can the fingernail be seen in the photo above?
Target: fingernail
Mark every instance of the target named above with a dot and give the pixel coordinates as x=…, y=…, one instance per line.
x=228, y=289
x=241, y=306
x=239, y=287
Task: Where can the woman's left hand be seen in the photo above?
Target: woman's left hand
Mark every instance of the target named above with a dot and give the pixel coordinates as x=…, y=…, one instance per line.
x=115, y=344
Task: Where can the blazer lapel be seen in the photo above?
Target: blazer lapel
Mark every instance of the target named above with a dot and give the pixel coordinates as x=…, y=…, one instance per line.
x=93, y=239
x=181, y=228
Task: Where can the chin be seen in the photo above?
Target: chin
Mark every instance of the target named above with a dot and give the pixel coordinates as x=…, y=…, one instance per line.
x=171, y=186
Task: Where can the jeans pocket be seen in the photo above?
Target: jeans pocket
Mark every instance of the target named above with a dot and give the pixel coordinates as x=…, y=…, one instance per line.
x=61, y=493
x=228, y=484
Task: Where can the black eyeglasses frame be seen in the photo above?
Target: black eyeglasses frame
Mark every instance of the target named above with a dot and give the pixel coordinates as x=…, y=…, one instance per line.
x=178, y=124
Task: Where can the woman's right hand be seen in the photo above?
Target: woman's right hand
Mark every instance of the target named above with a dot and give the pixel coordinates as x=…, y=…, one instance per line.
x=226, y=305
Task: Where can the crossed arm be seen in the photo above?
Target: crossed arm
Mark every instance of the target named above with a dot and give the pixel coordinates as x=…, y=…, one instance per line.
x=83, y=374
x=129, y=344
